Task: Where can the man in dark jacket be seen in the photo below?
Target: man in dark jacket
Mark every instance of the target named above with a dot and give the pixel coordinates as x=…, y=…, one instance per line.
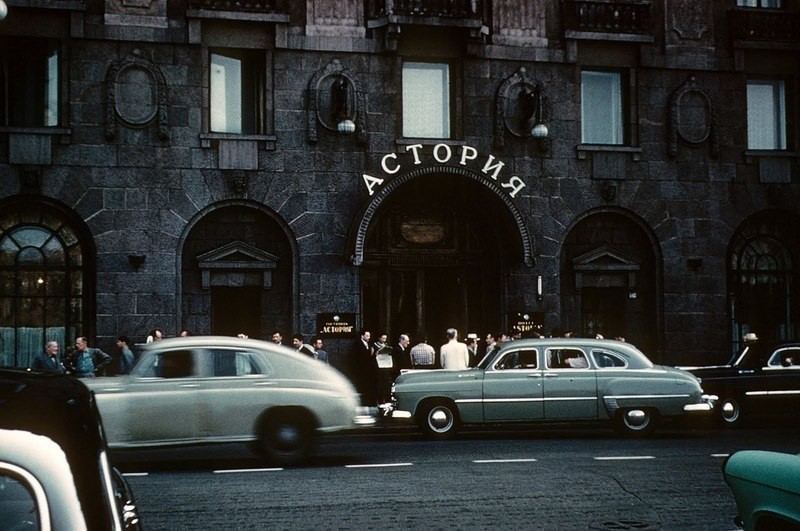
x=86, y=362
x=49, y=360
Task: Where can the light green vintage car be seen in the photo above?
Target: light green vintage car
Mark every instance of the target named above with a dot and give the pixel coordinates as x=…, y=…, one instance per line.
x=766, y=486
x=200, y=390
x=533, y=380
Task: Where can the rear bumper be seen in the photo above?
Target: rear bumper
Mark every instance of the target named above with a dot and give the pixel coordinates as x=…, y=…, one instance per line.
x=706, y=405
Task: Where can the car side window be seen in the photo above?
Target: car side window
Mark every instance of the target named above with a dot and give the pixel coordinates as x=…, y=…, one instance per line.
x=170, y=364
x=18, y=508
x=785, y=357
x=608, y=360
x=520, y=359
x=234, y=363
x=566, y=358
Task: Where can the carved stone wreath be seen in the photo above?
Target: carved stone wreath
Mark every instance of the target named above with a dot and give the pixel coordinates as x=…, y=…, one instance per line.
x=692, y=118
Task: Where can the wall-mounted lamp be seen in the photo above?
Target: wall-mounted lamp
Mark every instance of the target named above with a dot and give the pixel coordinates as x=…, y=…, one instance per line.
x=136, y=261
x=3, y=10
x=534, y=112
x=539, y=287
x=341, y=107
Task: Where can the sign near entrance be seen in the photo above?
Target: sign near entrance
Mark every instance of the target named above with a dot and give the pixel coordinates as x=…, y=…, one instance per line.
x=527, y=322
x=336, y=325
x=446, y=154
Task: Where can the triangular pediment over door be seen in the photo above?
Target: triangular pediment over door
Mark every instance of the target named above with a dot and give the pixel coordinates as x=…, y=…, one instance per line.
x=236, y=264
x=605, y=267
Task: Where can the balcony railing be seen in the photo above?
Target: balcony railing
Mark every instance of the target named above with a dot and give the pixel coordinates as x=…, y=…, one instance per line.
x=764, y=25
x=242, y=6
x=606, y=17
x=425, y=8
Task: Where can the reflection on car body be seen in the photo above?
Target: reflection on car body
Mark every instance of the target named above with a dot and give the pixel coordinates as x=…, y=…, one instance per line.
x=550, y=379
x=766, y=487
x=54, y=467
x=223, y=389
x=761, y=378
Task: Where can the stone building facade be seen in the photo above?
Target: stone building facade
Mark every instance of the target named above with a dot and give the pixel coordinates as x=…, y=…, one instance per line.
x=623, y=167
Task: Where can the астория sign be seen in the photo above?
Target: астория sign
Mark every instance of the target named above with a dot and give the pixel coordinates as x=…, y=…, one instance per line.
x=444, y=154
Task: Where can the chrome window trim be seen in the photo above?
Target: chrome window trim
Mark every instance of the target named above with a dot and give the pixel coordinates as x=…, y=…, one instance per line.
x=36, y=488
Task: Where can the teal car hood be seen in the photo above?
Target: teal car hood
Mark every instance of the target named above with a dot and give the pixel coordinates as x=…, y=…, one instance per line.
x=772, y=469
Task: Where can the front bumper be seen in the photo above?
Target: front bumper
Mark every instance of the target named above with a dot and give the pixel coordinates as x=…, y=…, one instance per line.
x=389, y=410
x=363, y=417
x=706, y=404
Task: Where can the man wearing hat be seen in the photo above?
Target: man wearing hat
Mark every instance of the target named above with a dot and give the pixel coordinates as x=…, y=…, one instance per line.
x=472, y=349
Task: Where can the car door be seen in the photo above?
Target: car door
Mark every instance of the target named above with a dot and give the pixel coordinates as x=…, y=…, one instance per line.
x=570, y=385
x=162, y=399
x=777, y=385
x=512, y=387
x=238, y=387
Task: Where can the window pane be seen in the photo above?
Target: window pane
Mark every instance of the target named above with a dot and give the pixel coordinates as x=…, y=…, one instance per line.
x=601, y=108
x=51, y=90
x=426, y=100
x=766, y=115
x=29, y=83
x=226, y=94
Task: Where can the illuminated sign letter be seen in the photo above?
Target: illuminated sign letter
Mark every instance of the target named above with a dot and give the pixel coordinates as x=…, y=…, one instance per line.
x=446, y=150
x=386, y=168
x=489, y=167
x=515, y=183
x=468, y=153
x=371, y=182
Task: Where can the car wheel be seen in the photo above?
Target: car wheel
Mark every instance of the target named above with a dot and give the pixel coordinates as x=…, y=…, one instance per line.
x=286, y=438
x=635, y=421
x=439, y=420
x=730, y=412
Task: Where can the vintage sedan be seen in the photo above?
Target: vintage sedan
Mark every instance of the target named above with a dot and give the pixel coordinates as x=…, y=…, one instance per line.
x=533, y=380
x=766, y=487
x=762, y=378
x=224, y=389
x=54, y=467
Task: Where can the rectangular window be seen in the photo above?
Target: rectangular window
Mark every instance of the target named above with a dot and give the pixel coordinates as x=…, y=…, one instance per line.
x=772, y=4
x=426, y=100
x=237, y=86
x=29, y=85
x=602, y=116
x=766, y=114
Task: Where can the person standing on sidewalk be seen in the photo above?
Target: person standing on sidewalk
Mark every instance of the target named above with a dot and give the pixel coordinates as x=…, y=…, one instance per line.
x=453, y=354
x=85, y=361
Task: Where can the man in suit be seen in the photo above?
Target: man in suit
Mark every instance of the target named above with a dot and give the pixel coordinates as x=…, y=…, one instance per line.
x=401, y=355
x=49, y=360
x=363, y=370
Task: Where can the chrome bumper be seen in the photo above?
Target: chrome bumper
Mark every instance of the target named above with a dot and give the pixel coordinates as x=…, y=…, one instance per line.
x=389, y=410
x=363, y=417
x=705, y=406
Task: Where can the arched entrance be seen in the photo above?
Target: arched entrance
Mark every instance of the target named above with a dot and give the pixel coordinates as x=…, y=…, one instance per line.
x=764, y=262
x=47, y=277
x=434, y=256
x=237, y=273
x=609, y=280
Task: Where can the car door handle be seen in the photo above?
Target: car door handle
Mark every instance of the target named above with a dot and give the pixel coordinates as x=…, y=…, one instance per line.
x=550, y=374
x=535, y=375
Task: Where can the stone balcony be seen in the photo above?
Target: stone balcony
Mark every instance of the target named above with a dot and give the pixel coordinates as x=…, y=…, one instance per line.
x=607, y=20
x=764, y=28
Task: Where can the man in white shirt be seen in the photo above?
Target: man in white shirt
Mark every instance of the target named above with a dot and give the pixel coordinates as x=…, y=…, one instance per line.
x=454, y=355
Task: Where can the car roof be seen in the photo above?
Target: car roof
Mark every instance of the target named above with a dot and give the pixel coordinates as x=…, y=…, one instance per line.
x=63, y=409
x=215, y=341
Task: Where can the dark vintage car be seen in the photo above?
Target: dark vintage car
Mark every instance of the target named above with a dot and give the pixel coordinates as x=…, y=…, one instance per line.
x=541, y=380
x=54, y=466
x=762, y=378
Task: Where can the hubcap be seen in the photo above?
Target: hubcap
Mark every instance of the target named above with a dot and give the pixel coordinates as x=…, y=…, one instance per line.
x=636, y=418
x=440, y=419
x=287, y=436
x=730, y=411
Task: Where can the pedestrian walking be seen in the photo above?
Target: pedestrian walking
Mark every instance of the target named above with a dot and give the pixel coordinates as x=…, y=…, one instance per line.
x=126, y=358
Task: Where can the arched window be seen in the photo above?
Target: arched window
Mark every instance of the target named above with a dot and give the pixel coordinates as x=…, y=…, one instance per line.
x=41, y=283
x=762, y=283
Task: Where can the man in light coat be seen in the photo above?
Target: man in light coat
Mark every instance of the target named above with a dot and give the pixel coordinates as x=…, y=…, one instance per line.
x=453, y=354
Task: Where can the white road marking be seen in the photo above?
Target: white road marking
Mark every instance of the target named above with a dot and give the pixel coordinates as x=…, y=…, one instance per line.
x=623, y=457
x=720, y=455
x=134, y=474
x=237, y=470
x=486, y=461
x=379, y=465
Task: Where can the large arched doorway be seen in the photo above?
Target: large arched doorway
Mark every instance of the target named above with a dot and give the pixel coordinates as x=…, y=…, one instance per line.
x=237, y=273
x=763, y=268
x=434, y=257
x=609, y=280
x=47, y=276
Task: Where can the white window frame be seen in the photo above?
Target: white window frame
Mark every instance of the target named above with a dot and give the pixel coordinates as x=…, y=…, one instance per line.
x=427, y=100
x=766, y=114
x=602, y=89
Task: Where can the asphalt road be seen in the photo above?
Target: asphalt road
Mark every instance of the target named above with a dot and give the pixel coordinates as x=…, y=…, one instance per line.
x=549, y=477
